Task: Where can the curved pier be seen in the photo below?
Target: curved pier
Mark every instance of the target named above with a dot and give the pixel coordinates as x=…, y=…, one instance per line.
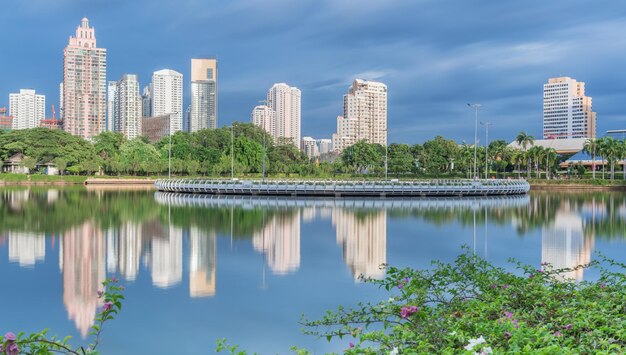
x=387, y=188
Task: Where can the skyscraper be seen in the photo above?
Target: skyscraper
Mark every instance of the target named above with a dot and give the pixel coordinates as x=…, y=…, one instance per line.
x=111, y=92
x=264, y=117
x=310, y=147
x=167, y=97
x=364, y=115
x=84, y=84
x=146, y=101
x=27, y=109
x=203, y=94
x=567, y=112
x=284, y=101
x=127, y=107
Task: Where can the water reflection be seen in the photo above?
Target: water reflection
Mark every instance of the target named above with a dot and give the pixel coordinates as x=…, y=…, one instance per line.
x=126, y=233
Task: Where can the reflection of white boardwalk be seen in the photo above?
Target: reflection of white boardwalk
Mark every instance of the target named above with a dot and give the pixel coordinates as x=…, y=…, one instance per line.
x=384, y=188
x=26, y=248
x=279, y=239
x=564, y=244
x=202, y=262
x=251, y=202
x=363, y=238
x=82, y=255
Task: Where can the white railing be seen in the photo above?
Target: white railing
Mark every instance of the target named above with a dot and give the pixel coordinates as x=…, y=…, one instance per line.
x=436, y=187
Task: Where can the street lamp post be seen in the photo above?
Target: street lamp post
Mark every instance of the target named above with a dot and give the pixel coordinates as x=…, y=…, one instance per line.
x=486, y=124
x=476, y=107
x=232, y=152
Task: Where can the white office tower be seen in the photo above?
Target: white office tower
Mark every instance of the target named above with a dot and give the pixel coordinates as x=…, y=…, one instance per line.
x=127, y=107
x=567, y=112
x=364, y=115
x=309, y=147
x=285, y=100
x=167, y=97
x=111, y=92
x=264, y=117
x=203, y=94
x=27, y=109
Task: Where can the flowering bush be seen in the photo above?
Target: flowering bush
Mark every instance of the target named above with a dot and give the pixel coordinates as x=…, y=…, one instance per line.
x=470, y=306
x=39, y=343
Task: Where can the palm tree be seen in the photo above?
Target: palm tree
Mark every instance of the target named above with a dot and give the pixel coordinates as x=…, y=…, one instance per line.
x=602, y=152
x=524, y=140
x=550, y=154
x=517, y=158
x=590, y=147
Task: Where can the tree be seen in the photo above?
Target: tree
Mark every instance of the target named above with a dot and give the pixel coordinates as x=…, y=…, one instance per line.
x=29, y=163
x=400, y=159
x=524, y=140
x=438, y=155
x=361, y=157
x=591, y=147
x=61, y=164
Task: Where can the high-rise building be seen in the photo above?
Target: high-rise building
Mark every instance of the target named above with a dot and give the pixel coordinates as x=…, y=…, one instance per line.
x=364, y=115
x=203, y=94
x=264, y=117
x=167, y=97
x=84, y=84
x=6, y=122
x=146, y=101
x=155, y=128
x=567, y=112
x=27, y=109
x=61, y=101
x=309, y=147
x=111, y=93
x=326, y=146
x=285, y=100
x=127, y=108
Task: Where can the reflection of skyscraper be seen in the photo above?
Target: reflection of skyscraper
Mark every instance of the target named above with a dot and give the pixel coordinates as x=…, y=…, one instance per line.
x=124, y=250
x=201, y=263
x=364, y=240
x=565, y=245
x=280, y=241
x=82, y=260
x=26, y=248
x=167, y=258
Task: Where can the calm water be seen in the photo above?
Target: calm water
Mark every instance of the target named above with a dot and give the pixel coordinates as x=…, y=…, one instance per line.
x=199, y=268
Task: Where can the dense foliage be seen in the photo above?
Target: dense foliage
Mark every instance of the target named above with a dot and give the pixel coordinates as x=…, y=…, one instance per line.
x=472, y=307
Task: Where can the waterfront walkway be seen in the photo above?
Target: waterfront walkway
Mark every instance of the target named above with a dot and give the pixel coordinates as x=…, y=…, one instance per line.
x=379, y=188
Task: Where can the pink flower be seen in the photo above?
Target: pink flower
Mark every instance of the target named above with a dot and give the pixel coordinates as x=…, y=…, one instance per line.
x=539, y=271
x=12, y=349
x=351, y=345
x=507, y=334
x=557, y=334
x=114, y=279
x=100, y=294
x=407, y=311
x=493, y=286
x=505, y=286
x=107, y=306
x=568, y=327
x=406, y=279
x=400, y=285
x=10, y=336
x=602, y=285
x=508, y=314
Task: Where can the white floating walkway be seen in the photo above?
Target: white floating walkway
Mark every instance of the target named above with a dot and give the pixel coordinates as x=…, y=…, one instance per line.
x=379, y=188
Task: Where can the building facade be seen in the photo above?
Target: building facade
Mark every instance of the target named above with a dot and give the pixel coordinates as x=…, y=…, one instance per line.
x=127, y=107
x=203, y=94
x=264, y=117
x=111, y=92
x=27, y=109
x=84, y=84
x=309, y=147
x=167, y=97
x=146, y=101
x=364, y=115
x=567, y=112
x=51, y=123
x=284, y=101
x=325, y=145
x=6, y=122
x=156, y=127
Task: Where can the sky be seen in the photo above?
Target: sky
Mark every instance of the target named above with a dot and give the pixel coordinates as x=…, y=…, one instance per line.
x=435, y=56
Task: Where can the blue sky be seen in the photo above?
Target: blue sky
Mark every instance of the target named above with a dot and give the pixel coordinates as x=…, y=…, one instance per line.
x=434, y=55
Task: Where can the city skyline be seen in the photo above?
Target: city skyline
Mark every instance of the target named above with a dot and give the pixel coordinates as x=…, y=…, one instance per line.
x=436, y=67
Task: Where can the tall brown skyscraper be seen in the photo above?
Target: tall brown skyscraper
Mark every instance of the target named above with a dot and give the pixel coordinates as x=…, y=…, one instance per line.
x=84, y=84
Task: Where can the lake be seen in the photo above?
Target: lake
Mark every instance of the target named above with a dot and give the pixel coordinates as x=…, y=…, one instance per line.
x=198, y=268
